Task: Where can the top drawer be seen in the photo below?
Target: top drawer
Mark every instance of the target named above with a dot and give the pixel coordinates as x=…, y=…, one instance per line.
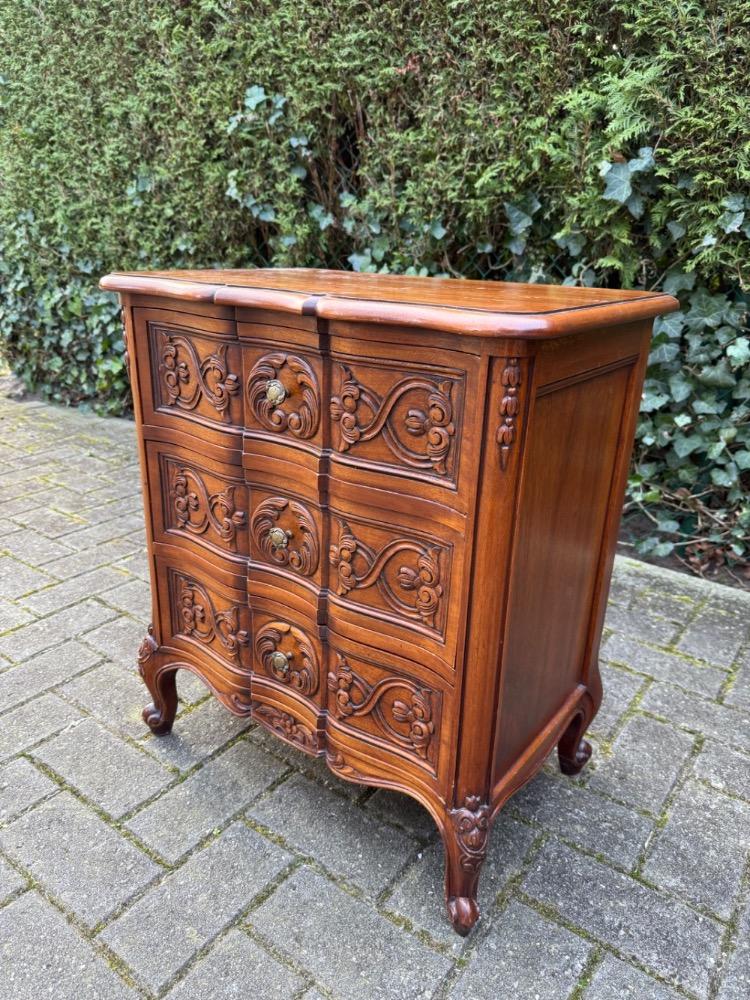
x=194, y=369
x=381, y=417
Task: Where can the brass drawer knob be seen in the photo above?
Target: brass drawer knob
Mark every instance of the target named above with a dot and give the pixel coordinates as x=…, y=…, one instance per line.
x=279, y=662
x=279, y=538
x=275, y=392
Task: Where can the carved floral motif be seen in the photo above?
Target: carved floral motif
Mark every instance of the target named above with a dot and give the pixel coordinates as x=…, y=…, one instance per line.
x=283, y=393
x=287, y=726
x=199, y=619
x=297, y=664
x=509, y=405
x=472, y=826
x=423, y=578
x=354, y=697
x=298, y=549
x=188, y=378
x=196, y=509
x=362, y=415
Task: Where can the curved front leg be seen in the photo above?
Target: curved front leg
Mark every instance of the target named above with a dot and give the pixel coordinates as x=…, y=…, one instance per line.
x=160, y=679
x=465, y=836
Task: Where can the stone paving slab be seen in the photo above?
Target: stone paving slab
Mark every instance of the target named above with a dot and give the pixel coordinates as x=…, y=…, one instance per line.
x=219, y=863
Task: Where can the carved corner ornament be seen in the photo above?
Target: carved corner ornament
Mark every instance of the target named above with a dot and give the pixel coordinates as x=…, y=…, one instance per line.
x=509, y=407
x=147, y=648
x=471, y=823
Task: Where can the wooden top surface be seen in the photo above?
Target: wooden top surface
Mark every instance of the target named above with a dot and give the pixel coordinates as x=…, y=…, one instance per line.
x=485, y=308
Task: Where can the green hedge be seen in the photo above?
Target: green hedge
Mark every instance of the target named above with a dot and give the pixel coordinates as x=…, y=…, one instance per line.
x=593, y=143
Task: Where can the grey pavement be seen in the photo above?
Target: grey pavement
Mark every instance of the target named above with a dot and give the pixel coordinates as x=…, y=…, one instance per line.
x=218, y=863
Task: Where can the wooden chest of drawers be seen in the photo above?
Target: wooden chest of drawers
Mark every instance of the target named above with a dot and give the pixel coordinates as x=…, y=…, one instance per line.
x=381, y=517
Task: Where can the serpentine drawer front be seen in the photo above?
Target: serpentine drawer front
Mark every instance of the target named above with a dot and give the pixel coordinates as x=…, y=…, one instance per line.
x=381, y=518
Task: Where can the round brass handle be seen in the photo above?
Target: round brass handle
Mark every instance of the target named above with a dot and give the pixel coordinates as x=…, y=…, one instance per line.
x=275, y=392
x=279, y=662
x=278, y=538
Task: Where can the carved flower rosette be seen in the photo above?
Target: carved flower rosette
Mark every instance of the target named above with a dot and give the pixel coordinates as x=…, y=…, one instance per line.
x=295, y=405
x=296, y=545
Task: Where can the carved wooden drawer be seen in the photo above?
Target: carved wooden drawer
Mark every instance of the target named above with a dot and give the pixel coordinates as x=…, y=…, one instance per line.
x=198, y=501
x=195, y=371
x=396, y=581
x=390, y=708
x=381, y=517
x=283, y=394
x=287, y=654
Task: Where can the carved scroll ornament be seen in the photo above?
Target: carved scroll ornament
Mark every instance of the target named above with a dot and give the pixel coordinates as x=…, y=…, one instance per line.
x=198, y=510
x=423, y=578
x=296, y=665
x=354, y=697
x=298, y=549
x=199, y=619
x=363, y=415
x=187, y=378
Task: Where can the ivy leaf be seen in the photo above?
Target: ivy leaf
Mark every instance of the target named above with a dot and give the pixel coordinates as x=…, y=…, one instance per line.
x=618, y=186
x=676, y=230
x=254, y=96
x=635, y=205
x=739, y=352
x=742, y=459
x=678, y=281
x=725, y=476
x=671, y=325
x=438, y=230
x=644, y=160
x=518, y=220
x=730, y=222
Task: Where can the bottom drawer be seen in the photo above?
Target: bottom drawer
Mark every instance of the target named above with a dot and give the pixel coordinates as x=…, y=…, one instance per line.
x=388, y=707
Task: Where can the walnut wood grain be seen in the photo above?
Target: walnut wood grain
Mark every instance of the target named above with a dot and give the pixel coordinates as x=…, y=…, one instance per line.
x=381, y=515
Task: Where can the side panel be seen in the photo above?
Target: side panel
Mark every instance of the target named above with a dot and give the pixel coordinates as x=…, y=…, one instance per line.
x=575, y=460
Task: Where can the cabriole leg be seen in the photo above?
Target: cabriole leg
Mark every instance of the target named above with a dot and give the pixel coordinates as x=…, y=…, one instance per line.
x=573, y=750
x=465, y=836
x=160, y=679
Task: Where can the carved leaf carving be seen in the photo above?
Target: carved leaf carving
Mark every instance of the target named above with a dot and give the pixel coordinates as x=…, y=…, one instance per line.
x=287, y=727
x=509, y=409
x=299, y=410
x=288, y=655
x=301, y=551
x=472, y=824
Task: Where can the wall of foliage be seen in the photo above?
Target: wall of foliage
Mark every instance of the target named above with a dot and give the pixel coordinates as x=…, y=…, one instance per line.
x=586, y=142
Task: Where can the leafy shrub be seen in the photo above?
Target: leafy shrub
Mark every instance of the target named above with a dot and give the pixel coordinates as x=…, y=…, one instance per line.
x=586, y=142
